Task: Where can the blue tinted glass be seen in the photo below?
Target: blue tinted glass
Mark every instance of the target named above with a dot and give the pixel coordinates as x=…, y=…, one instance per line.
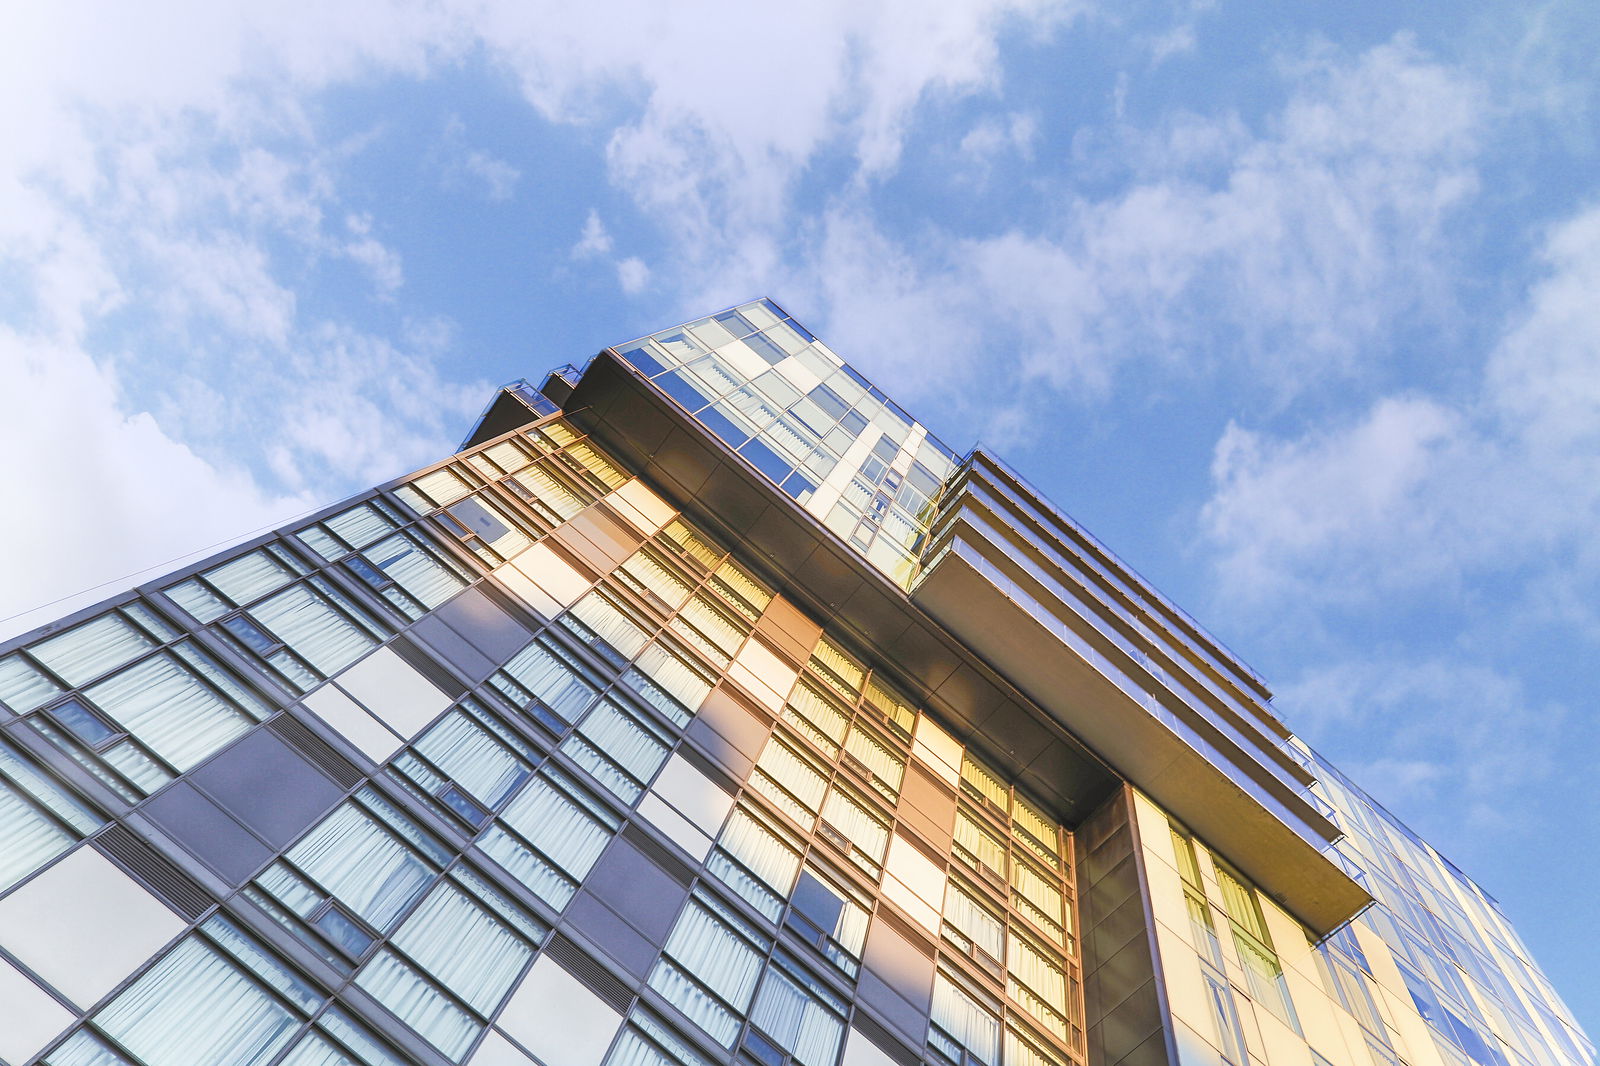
x=829, y=401
x=806, y=333
x=343, y=931
x=718, y=423
x=853, y=423
x=83, y=723
x=642, y=360
x=766, y=460
x=799, y=487
x=819, y=904
x=248, y=632
x=367, y=572
x=767, y=350
x=463, y=805
x=679, y=388
x=734, y=323
x=477, y=518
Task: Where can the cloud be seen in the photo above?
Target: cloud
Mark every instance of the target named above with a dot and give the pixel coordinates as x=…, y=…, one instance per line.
x=499, y=177
x=1436, y=491
x=595, y=240
x=633, y=275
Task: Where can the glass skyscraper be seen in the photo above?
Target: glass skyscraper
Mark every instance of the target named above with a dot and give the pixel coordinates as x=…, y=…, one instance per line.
x=705, y=709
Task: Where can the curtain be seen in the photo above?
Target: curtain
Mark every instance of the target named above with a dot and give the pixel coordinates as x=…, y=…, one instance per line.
x=307, y=623
x=22, y=687
x=983, y=846
x=974, y=921
x=1020, y=1052
x=28, y=839
x=558, y=826
x=170, y=710
x=797, y=1020
x=551, y=492
x=851, y=818
x=677, y=677
x=552, y=680
x=644, y=568
x=802, y=781
x=1036, y=825
x=1038, y=891
x=415, y=570
x=879, y=759
x=464, y=946
x=625, y=741
x=360, y=525
x=198, y=600
x=988, y=785
x=194, y=1008
x=610, y=624
x=249, y=577
x=822, y=715
x=959, y=1015
x=441, y=486
x=768, y=867
x=473, y=758
x=368, y=869
x=705, y=944
x=414, y=1000
x=716, y=625
x=83, y=1048
x=84, y=653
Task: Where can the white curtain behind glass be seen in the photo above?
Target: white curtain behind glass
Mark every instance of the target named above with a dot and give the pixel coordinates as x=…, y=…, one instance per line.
x=170, y=710
x=194, y=1008
x=369, y=870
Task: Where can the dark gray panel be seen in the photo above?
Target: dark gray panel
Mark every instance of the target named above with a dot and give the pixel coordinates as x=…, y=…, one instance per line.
x=1131, y=1022
x=901, y=1018
x=450, y=646
x=637, y=889
x=207, y=832
x=269, y=788
x=1117, y=977
x=489, y=629
x=828, y=577
x=1114, y=888
x=1153, y=1052
x=740, y=503
x=620, y=942
x=1102, y=859
x=878, y=616
x=1112, y=932
x=685, y=461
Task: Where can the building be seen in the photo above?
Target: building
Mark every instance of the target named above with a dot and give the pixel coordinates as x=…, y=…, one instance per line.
x=705, y=709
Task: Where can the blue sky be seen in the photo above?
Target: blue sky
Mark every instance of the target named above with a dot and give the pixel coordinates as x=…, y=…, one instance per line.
x=1292, y=305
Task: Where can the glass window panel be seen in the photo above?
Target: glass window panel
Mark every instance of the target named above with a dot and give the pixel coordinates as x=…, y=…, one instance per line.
x=691, y=544
x=722, y=954
x=250, y=576
x=414, y=1000
x=715, y=624
x=985, y=783
x=877, y=757
x=895, y=707
x=308, y=623
x=855, y=820
x=597, y=464
x=676, y=674
x=195, y=1008
x=621, y=742
x=839, y=664
x=958, y=1014
x=474, y=758
x=198, y=600
x=568, y=831
x=550, y=490
x=366, y=867
x=416, y=569
x=610, y=624
x=23, y=688
x=988, y=850
x=553, y=678
x=802, y=784
x=1023, y=1052
x=245, y=950
x=84, y=652
x=28, y=837
x=1039, y=890
x=646, y=568
x=974, y=921
x=762, y=853
x=170, y=710
x=816, y=716
x=1038, y=984
x=442, y=486
x=1036, y=824
x=795, y=1012
x=464, y=946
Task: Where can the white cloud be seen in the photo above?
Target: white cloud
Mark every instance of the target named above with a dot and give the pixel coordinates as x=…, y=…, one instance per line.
x=633, y=275
x=1423, y=491
x=499, y=177
x=595, y=240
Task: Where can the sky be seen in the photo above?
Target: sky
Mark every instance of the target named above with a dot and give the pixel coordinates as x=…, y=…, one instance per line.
x=1284, y=302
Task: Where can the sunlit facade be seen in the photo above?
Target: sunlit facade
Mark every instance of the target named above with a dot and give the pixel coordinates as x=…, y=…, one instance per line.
x=705, y=709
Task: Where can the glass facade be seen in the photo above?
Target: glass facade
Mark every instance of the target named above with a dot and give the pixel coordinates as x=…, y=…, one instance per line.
x=530, y=757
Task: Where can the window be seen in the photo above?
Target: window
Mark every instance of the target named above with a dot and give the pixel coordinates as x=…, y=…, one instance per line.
x=710, y=967
x=802, y=1018
x=38, y=818
x=963, y=1029
x=619, y=749
x=756, y=861
x=550, y=836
